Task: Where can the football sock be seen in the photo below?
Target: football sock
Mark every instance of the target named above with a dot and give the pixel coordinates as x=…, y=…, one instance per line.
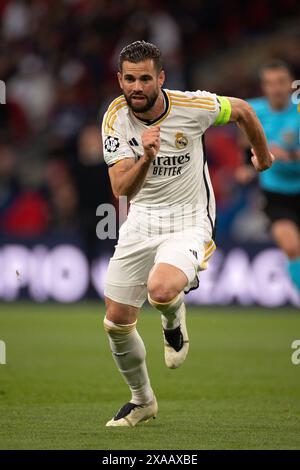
x=129, y=353
x=294, y=271
x=169, y=311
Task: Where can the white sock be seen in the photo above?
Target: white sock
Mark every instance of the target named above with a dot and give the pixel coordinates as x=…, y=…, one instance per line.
x=129, y=354
x=169, y=311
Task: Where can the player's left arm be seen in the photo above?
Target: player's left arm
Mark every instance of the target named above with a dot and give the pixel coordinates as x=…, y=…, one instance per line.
x=243, y=114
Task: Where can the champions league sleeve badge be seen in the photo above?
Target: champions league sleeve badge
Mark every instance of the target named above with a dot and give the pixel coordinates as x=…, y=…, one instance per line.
x=111, y=144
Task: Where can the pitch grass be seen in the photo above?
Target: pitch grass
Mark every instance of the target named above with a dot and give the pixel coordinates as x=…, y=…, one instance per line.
x=237, y=390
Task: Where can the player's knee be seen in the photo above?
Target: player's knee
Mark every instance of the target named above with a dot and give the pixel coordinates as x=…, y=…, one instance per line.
x=290, y=247
x=161, y=294
x=112, y=313
x=292, y=251
x=286, y=235
x=120, y=313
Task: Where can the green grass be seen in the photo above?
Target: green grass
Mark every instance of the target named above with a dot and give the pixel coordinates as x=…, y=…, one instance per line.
x=237, y=389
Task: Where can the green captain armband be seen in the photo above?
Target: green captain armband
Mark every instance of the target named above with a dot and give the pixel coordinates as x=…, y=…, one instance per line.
x=225, y=111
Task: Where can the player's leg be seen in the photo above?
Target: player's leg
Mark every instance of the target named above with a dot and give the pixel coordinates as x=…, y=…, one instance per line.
x=125, y=293
x=283, y=212
x=166, y=283
x=286, y=235
x=129, y=354
x=165, y=291
x=176, y=265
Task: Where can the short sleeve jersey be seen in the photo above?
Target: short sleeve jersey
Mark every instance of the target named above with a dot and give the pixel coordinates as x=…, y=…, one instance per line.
x=179, y=174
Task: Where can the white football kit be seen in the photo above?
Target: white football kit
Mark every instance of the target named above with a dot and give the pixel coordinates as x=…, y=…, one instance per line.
x=172, y=218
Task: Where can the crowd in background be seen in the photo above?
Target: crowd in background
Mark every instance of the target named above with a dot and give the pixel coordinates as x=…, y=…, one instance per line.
x=58, y=60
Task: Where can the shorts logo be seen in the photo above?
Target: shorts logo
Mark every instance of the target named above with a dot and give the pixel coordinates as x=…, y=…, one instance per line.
x=194, y=253
x=181, y=140
x=111, y=144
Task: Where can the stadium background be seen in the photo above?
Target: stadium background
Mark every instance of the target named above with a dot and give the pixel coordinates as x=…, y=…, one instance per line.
x=58, y=61
x=238, y=388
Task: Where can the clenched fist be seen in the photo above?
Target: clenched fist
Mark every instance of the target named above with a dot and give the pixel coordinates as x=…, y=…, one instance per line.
x=260, y=165
x=151, y=142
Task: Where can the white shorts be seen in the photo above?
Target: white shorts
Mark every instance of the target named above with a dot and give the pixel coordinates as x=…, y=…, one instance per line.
x=137, y=254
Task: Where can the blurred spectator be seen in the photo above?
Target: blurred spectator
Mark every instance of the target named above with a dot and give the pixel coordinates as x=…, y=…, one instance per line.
x=27, y=216
x=16, y=20
x=13, y=123
x=8, y=180
x=62, y=196
x=92, y=180
x=22, y=213
x=165, y=33
x=32, y=88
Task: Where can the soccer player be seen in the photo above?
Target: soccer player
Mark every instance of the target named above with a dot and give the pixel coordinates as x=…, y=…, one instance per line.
x=280, y=185
x=153, y=145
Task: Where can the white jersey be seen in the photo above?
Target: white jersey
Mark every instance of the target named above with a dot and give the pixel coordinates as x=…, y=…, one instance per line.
x=177, y=190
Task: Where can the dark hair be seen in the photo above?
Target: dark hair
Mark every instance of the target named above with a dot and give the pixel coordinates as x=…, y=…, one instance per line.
x=139, y=51
x=275, y=64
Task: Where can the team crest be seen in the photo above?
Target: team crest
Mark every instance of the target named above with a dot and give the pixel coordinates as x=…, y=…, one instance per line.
x=181, y=140
x=111, y=144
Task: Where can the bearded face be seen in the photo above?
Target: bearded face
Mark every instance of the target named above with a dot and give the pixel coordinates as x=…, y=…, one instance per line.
x=141, y=84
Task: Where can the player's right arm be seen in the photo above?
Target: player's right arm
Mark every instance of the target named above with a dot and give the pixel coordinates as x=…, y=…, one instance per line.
x=128, y=177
